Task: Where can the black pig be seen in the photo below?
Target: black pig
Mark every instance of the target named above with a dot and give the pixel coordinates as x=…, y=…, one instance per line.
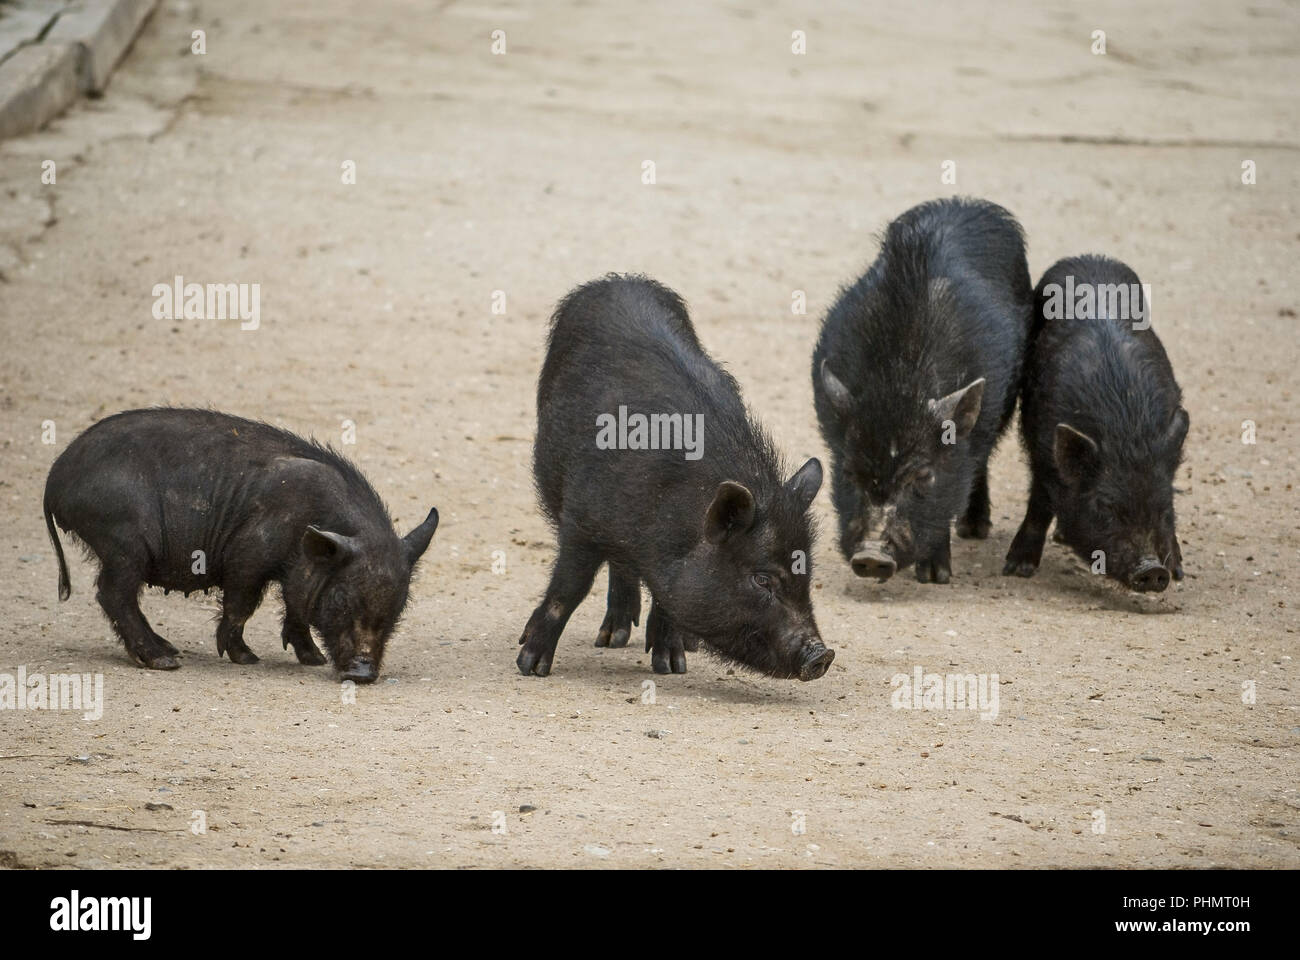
x=915, y=378
x=193, y=499
x=696, y=508
x=1102, y=421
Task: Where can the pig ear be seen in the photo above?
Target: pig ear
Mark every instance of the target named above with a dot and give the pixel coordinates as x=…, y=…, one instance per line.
x=805, y=483
x=731, y=512
x=962, y=406
x=417, y=541
x=836, y=392
x=1075, y=454
x=323, y=545
x=1177, y=431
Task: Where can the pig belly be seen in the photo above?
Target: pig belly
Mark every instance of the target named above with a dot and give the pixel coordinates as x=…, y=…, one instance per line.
x=180, y=577
x=185, y=560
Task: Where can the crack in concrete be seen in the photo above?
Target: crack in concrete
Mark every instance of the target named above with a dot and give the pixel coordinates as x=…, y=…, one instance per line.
x=39, y=38
x=1120, y=141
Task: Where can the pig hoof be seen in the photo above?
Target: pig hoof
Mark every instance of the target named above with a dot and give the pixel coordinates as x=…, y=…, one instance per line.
x=927, y=572
x=531, y=662
x=668, y=661
x=1021, y=568
x=244, y=657
x=613, y=636
x=154, y=654
x=308, y=655
x=973, y=529
x=677, y=664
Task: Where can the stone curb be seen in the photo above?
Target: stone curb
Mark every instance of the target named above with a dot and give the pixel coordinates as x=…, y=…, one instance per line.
x=103, y=29
x=36, y=85
x=77, y=55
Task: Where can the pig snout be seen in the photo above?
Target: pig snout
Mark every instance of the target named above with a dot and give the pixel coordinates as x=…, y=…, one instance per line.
x=815, y=664
x=361, y=670
x=872, y=559
x=361, y=651
x=884, y=548
x=1150, y=576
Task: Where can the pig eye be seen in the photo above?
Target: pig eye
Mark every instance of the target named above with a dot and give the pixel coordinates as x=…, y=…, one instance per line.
x=762, y=581
x=925, y=477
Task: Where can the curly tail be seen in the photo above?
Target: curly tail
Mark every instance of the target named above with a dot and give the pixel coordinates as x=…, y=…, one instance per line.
x=65, y=585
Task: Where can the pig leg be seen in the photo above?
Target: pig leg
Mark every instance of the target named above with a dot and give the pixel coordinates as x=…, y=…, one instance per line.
x=575, y=569
x=853, y=512
x=622, y=608
x=937, y=568
x=1172, y=556
x=975, y=523
x=237, y=604
x=1027, y=548
x=119, y=596
x=664, y=642
x=297, y=632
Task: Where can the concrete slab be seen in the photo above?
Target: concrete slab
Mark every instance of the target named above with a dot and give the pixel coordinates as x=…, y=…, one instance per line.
x=104, y=30
x=37, y=82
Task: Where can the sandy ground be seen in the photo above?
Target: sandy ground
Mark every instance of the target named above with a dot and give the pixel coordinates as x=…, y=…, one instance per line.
x=1122, y=738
